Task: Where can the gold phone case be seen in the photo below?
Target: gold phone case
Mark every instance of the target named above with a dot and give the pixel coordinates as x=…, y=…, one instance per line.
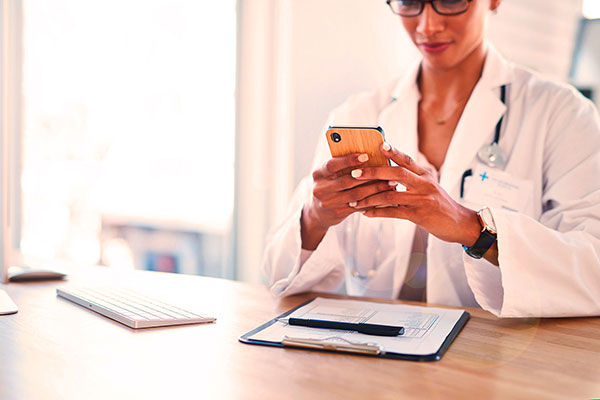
x=357, y=140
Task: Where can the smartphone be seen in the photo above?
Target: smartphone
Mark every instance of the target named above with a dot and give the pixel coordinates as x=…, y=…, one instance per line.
x=344, y=140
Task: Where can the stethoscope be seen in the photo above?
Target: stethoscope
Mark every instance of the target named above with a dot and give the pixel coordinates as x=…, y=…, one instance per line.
x=490, y=154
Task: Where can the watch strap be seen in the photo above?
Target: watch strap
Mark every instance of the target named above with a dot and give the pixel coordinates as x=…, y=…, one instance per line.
x=484, y=242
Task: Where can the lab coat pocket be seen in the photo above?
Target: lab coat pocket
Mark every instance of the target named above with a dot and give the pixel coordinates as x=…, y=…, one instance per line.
x=495, y=188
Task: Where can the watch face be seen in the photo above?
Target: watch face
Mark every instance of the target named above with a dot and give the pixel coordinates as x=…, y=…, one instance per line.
x=488, y=219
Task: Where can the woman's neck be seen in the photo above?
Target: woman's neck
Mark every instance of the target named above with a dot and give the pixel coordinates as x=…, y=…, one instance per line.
x=453, y=83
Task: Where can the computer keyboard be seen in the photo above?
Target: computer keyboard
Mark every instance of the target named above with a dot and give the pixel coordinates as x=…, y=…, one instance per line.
x=129, y=308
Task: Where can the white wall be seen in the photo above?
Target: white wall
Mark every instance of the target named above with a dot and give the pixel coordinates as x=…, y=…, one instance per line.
x=537, y=33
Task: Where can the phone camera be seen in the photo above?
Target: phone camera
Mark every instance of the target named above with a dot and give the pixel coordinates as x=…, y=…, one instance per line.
x=336, y=137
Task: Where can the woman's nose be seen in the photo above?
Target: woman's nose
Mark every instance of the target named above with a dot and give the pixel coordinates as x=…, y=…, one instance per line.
x=430, y=22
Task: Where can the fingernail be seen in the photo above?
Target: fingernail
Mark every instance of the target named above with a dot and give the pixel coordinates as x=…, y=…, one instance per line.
x=363, y=158
x=393, y=183
x=356, y=173
x=386, y=146
x=353, y=204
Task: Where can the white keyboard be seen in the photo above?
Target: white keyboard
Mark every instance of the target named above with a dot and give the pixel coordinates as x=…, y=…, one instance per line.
x=131, y=309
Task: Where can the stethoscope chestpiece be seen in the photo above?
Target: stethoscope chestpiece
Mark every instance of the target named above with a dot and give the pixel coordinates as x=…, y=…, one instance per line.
x=492, y=155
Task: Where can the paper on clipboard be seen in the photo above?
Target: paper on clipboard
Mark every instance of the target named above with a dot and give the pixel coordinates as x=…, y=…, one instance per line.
x=426, y=328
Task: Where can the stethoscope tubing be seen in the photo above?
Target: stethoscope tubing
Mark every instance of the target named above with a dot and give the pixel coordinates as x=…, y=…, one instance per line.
x=493, y=145
x=499, y=124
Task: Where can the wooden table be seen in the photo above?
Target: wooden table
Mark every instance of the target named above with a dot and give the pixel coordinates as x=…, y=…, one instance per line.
x=53, y=349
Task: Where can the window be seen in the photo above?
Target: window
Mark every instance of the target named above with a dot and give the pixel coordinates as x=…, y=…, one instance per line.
x=591, y=9
x=129, y=133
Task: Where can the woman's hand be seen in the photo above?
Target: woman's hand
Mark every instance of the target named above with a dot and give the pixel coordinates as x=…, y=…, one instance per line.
x=424, y=202
x=334, y=197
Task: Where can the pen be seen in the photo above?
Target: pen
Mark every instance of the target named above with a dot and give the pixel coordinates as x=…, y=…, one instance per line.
x=367, y=329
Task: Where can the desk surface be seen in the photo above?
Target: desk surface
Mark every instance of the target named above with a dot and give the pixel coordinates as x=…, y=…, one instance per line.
x=54, y=349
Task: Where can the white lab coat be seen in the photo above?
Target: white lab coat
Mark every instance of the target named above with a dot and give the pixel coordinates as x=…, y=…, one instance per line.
x=549, y=255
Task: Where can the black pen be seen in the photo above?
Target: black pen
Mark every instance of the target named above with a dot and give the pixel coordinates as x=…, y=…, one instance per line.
x=367, y=329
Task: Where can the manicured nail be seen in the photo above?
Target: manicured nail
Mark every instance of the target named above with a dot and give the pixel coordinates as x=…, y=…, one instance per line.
x=386, y=146
x=356, y=173
x=363, y=158
x=393, y=183
x=353, y=204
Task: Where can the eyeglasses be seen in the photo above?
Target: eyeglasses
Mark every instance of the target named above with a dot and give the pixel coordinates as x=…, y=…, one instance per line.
x=413, y=8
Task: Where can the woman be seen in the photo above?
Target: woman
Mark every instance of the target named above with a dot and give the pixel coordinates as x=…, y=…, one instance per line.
x=539, y=241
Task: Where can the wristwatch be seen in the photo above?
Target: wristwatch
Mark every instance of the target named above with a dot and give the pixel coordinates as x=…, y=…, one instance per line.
x=488, y=234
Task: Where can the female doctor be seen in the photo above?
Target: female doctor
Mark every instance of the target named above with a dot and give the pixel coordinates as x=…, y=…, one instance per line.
x=495, y=195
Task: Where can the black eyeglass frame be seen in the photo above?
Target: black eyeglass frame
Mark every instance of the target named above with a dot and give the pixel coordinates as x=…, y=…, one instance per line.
x=423, y=2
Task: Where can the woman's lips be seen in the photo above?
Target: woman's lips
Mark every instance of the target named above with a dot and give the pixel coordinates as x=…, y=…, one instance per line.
x=435, y=47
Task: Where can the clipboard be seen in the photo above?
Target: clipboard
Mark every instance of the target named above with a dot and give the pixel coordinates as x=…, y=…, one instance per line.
x=372, y=350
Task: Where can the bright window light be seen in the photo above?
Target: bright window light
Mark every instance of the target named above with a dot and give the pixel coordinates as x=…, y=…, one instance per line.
x=129, y=116
x=591, y=9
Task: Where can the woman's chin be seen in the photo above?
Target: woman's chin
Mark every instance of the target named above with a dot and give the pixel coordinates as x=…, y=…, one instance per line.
x=443, y=62
x=437, y=62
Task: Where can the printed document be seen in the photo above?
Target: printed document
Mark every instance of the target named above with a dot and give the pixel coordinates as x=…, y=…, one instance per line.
x=425, y=328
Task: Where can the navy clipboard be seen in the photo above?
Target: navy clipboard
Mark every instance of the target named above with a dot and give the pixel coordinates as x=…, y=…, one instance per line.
x=358, y=350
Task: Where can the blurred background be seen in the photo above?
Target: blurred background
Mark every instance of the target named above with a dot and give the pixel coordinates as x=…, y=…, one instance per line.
x=168, y=135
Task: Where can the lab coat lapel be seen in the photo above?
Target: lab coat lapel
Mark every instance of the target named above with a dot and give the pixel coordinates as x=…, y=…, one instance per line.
x=475, y=129
x=399, y=122
x=477, y=124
